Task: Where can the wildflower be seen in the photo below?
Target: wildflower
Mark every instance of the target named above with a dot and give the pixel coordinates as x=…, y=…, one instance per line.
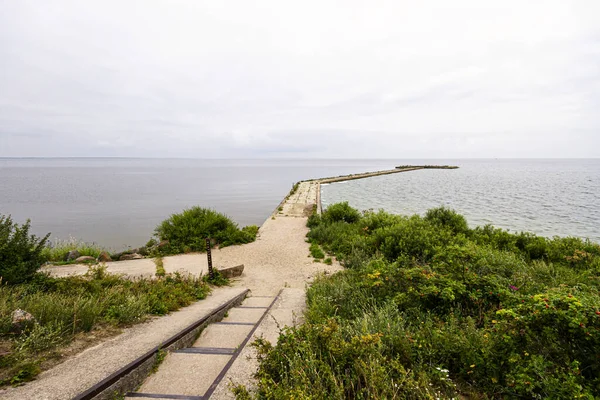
x=513, y=287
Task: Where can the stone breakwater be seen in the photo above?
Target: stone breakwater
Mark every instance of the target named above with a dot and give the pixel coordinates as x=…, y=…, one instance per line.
x=308, y=193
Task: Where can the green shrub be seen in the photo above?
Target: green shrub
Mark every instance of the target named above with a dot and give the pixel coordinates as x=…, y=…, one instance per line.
x=188, y=230
x=315, y=251
x=448, y=219
x=160, y=267
x=433, y=309
x=341, y=212
x=20, y=253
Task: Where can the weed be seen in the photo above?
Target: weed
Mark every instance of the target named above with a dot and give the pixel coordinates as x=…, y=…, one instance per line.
x=216, y=279
x=160, y=357
x=315, y=251
x=160, y=268
x=328, y=261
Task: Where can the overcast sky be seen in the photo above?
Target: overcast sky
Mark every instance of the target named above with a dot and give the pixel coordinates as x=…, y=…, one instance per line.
x=368, y=79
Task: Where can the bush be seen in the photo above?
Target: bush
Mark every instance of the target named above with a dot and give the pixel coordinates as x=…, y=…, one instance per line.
x=447, y=218
x=341, y=212
x=433, y=309
x=20, y=253
x=188, y=230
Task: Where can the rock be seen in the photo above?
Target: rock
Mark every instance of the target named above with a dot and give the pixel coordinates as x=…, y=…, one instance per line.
x=131, y=256
x=21, y=319
x=104, y=257
x=83, y=259
x=72, y=255
x=232, y=272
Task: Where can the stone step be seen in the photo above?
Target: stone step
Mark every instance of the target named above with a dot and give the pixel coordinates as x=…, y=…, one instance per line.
x=188, y=373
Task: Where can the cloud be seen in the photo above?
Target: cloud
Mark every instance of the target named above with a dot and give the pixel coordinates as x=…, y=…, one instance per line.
x=313, y=79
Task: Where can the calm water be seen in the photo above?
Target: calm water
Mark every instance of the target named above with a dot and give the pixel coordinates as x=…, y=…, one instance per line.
x=547, y=197
x=118, y=202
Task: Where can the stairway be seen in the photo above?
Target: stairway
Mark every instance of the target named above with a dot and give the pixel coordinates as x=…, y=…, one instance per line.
x=194, y=372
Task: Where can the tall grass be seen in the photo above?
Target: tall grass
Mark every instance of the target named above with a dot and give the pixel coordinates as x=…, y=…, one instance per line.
x=64, y=307
x=430, y=308
x=57, y=250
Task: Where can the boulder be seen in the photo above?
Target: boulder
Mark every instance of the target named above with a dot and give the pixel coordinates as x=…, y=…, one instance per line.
x=72, y=255
x=131, y=256
x=104, y=257
x=83, y=259
x=232, y=272
x=21, y=320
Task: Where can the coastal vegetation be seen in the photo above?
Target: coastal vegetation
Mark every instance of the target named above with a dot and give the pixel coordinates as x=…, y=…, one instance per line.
x=187, y=231
x=58, y=251
x=43, y=319
x=64, y=311
x=20, y=253
x=430, y=308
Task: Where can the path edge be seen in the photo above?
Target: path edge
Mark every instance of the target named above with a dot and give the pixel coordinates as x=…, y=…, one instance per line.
x=133, y=374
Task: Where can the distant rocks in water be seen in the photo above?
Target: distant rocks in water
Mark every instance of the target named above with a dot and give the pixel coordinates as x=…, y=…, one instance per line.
x=72, y=255
x=21, y=320
x=104, y=257
x=84, y=259
x=232, y=272
x=130, y=256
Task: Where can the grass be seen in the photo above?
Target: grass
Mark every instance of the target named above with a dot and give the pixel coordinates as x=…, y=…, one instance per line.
x=160, y=357
x=217, y=279
x=315, y=251
x=65, y=308
x=160, y=268
x=57, y=251
x=430, y=308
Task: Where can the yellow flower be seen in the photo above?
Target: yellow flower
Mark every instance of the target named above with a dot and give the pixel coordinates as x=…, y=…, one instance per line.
x=472, y=366
x=494, y=321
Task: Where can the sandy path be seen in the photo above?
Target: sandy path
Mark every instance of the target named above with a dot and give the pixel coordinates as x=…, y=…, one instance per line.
x=278, y=258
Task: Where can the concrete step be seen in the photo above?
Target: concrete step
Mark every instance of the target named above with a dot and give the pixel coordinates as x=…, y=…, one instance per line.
x=185, y=374
x=189, y=373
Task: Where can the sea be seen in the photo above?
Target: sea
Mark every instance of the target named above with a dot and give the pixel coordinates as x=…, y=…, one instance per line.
x=117, y=202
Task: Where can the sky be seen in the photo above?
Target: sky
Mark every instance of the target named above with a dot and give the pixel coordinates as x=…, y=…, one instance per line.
x=302, y=79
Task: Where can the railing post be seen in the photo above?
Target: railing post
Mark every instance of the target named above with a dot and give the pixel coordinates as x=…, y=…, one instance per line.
x=209, y=257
